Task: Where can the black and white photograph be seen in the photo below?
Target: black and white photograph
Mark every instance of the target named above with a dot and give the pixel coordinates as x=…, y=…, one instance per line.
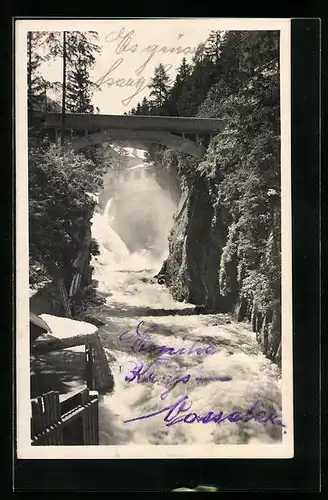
x=154, y=303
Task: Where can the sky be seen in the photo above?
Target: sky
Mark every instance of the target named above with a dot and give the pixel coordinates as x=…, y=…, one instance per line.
x=130, y=51
x=132, y=48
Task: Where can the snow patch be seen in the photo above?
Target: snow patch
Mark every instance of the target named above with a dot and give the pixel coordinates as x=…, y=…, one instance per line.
x=65, y=327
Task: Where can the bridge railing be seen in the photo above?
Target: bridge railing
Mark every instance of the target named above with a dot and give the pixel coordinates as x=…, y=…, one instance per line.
x=95, y=122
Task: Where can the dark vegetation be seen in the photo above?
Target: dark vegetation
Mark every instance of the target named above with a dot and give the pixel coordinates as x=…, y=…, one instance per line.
x=225, y=244
x=60, y=181
x=224, y=248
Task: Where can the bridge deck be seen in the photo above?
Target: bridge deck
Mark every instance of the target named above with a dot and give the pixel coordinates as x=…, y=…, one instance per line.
x=92, y=123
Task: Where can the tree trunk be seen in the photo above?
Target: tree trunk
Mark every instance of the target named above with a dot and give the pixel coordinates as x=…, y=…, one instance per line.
x=62, y=136
x=29, y=70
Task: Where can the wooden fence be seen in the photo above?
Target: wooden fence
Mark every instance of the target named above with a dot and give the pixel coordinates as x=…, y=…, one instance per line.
x=73, y=421
x=98, y=373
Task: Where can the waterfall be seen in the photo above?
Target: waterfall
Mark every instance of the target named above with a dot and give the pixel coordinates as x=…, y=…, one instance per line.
x=133, y=230
x=110, y=244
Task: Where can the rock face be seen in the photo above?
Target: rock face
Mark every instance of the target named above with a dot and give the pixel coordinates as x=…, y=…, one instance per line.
x=198, y=270
x=195, y=247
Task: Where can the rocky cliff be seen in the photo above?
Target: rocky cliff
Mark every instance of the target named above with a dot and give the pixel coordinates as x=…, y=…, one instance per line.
x=217, y=259
x=195, y=247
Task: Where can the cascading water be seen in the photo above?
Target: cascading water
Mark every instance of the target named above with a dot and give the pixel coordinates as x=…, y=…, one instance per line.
x=125, y=277
x=110, y=244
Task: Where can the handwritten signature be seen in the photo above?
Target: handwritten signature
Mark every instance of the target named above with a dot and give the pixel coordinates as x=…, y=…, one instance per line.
x=124, y=43
x=182, y=405
x=139, y=344
x=141, y=374
x=140, y=83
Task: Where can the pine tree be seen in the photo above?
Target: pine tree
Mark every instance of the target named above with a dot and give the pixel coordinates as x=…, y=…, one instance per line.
x=175, y=93
x=233, y=45
x=77, y=50
x=38, y=102
x=37, y=85
x=144, y=107
x=81, y=49
x=159, y=90
x=79, y=90
x=138, y=109
x=212, y=46
x=199, y=56
x=195, y=88
x=35, y=82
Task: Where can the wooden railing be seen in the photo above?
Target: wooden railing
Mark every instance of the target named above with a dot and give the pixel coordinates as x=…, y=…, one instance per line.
x=73, y=421
x=98, y=374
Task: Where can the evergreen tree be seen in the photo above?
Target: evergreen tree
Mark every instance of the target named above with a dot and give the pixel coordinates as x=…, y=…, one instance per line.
x=79, y=88
x=138, y=109
x=77, y=50
x=195, y=88
x=159, y=90
x=144, y=108
x=36, y=84
x=199, y=56
x=212, y=46
x=60, y=208
x=235, y=76
x=81, y=50
x=175, y=93
x=38, y=101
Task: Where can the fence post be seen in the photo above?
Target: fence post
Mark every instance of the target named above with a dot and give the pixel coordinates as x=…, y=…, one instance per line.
x=89, y=367
x=51, y=421
x=46, y=420
x=94, y=414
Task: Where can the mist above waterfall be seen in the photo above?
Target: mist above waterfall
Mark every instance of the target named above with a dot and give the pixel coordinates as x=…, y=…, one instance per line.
x=134, y=226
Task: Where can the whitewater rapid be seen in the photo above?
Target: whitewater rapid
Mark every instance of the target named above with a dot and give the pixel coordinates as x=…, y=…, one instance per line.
x=132, y=296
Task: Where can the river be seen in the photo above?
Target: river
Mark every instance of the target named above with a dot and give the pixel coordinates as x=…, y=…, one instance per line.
x=125, y=279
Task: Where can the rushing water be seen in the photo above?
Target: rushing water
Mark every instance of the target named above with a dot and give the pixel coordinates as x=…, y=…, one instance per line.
x=126, y=279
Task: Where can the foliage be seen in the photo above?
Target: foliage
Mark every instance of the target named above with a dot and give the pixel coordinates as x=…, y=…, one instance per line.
x=36, y=83
x=235, y=76
x=159, y=86
x=212, y=47
x=176, y=91
x=81, y=50
x=246, y=163
x=60, y=207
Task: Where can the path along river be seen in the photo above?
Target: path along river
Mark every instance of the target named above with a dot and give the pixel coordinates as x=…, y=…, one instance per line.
x=132, y=296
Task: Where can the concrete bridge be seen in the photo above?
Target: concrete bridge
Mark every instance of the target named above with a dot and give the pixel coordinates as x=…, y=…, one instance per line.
x=190, y=135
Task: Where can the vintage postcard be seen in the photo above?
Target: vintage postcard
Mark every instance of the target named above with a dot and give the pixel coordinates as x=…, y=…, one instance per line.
x=153, y=230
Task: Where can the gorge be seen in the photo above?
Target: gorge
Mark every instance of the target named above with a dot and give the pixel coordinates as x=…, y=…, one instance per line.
x=189, y=245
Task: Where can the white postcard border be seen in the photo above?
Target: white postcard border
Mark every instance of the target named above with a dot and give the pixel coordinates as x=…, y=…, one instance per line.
x=24, y=448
